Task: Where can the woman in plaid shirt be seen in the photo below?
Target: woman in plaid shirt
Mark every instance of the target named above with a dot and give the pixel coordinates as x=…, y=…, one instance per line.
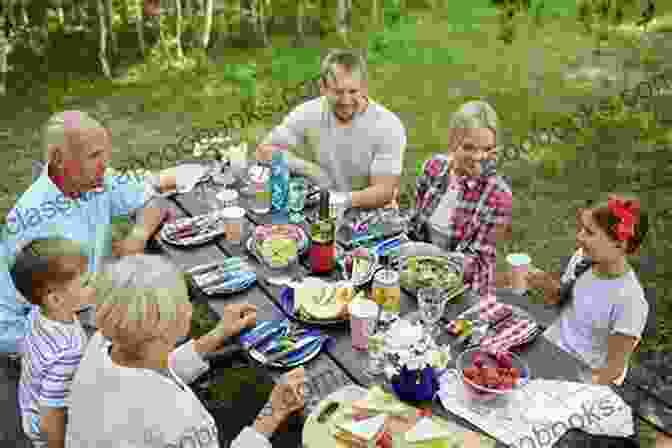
x=461, y=204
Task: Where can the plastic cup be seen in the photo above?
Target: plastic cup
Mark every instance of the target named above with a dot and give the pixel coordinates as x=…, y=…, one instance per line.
x=363, y=315
x=234, y=219
x=228, y=198
x=520, y=266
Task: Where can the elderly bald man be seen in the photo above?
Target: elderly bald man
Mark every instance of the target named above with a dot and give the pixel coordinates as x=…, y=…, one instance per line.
x=73, y=198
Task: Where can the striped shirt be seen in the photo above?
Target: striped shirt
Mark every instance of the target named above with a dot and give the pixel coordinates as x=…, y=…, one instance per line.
x=53, y=352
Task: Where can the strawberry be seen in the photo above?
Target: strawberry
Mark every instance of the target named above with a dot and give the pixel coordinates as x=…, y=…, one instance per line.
x=504, y=360
x=478, y=360
x=514, y=372
x=471, y=372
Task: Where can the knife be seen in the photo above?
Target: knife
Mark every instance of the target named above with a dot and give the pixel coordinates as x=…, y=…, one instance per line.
x=305, y=342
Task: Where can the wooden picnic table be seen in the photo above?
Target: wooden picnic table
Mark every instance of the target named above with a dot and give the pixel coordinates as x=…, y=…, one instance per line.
x=545, y=359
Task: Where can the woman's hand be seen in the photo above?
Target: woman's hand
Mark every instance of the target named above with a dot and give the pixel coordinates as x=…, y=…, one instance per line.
x=235, y=318
x=286, y=398
x=264, y=153
x=547, y=283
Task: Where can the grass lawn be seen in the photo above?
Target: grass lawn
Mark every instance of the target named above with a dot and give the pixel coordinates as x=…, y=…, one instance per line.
x=423, y=71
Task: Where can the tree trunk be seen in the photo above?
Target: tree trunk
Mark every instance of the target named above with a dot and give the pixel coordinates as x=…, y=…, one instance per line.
x=60, y=13
x=123, y=12
x=178, y=28
x=261, y=21
x=5, y=49
x=109, y=22
x=251, y=32
x=140, y=27
x=188, y=8
x=374, y=12
x=102, y=42
x=24, y=13
x=300, y=38
x=344, y=16
x=207, y=26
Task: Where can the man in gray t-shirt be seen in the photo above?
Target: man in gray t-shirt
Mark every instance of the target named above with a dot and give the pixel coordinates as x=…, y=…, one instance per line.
x=352, y=145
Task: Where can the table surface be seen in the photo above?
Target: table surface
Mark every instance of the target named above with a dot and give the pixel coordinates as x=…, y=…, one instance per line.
x=344, y=363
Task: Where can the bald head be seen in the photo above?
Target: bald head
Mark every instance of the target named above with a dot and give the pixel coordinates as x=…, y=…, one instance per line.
x=63, y=131
x=77, y=148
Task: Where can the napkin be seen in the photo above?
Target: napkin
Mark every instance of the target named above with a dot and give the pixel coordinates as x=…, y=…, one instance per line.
x=542, y=412
x=510, y=334
x=488, y=310
x=188, y=175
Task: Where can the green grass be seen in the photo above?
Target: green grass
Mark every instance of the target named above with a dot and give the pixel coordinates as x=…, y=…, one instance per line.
x=416, y=71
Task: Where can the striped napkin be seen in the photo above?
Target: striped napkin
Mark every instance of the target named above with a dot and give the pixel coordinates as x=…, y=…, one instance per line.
x=488, y=310
x=510, y=334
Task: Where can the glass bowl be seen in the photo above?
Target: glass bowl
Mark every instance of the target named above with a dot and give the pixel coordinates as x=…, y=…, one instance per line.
x=480, y=393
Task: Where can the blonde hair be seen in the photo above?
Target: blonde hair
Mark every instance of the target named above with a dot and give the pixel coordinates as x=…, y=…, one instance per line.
x=56, y=131
x=472, y=115
x=134, y=285
x=351, y=60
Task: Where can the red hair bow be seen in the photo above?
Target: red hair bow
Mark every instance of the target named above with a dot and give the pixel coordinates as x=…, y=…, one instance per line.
x=628, y=213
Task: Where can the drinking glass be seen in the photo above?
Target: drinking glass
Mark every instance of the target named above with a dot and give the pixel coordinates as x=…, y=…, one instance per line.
x=432, y=303
x=297, y=199
x=376, y=350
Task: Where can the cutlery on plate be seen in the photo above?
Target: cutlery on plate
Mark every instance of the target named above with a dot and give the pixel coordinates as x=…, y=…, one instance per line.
x=265, y=360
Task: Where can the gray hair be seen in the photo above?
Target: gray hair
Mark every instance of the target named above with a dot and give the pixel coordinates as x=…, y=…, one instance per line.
x=351, y=60
x=474, y=115
x=55, y=131
x=142, y=280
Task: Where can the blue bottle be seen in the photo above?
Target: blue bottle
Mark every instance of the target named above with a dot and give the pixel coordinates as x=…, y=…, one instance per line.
x=280, y=180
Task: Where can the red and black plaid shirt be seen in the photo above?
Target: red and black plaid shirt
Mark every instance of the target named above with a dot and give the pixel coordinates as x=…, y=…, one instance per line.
x=482, y=203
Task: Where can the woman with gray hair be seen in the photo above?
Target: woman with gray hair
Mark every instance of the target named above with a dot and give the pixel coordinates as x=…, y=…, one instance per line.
x=130, y=389
x=462, y=204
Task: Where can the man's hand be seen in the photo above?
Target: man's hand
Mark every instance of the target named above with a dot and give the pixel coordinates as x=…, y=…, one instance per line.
x=264, y=153
x=235, y=318
x=129, y=246
x=546, y=283
x=394, y=202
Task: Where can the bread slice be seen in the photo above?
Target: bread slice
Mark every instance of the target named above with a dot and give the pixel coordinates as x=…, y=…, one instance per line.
x=362, y=431
x=426, y=429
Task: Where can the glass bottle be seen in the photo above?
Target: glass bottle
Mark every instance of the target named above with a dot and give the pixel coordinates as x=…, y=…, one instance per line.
x=279, y=180
x=323, y=235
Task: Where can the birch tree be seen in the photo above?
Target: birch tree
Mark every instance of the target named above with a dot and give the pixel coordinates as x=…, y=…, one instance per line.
x=207, y=25
x=5, y=48
x=109, y=23
x=102, y=41
x=139, y=26
x=300, y=38
x=344, y=19
x=178, y=28
x=253, y=27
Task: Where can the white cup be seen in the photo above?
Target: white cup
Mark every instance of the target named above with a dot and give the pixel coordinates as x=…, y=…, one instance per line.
x=228, y=198
x=520, y=266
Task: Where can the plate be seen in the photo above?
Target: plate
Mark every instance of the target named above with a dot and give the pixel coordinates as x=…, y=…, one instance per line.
x=315, y=322
x=303, y=244
x=213, y=289
x=280, y=364
x=196, y=240
x=319, y=435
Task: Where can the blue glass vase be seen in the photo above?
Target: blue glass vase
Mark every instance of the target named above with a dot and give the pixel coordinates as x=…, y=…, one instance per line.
x=279, y=181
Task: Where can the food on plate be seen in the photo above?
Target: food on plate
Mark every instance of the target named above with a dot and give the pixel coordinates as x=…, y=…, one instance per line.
x=502, y=377
x=278, y=231
x=323, y=302
x=361, y=433
x=430, y=271
x=278, y=252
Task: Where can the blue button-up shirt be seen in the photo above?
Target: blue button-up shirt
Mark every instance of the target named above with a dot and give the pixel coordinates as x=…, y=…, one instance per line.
x=44, y=211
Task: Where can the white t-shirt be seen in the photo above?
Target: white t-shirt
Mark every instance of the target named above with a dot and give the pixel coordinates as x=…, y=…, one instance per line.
x=373, y=145
x=120, y=407
x=598, y=309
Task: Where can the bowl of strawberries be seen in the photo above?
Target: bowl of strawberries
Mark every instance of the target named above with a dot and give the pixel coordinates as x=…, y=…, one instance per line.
x=486, y=377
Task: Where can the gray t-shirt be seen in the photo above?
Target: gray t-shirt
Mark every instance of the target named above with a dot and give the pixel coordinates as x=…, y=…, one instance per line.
x=598, y=309
x=373, y=145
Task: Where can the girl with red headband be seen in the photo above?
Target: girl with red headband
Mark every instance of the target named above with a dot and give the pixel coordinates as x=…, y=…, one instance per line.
x=606, y=310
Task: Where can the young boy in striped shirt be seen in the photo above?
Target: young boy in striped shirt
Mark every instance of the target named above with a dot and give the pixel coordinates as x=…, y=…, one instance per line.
x=49, y=272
